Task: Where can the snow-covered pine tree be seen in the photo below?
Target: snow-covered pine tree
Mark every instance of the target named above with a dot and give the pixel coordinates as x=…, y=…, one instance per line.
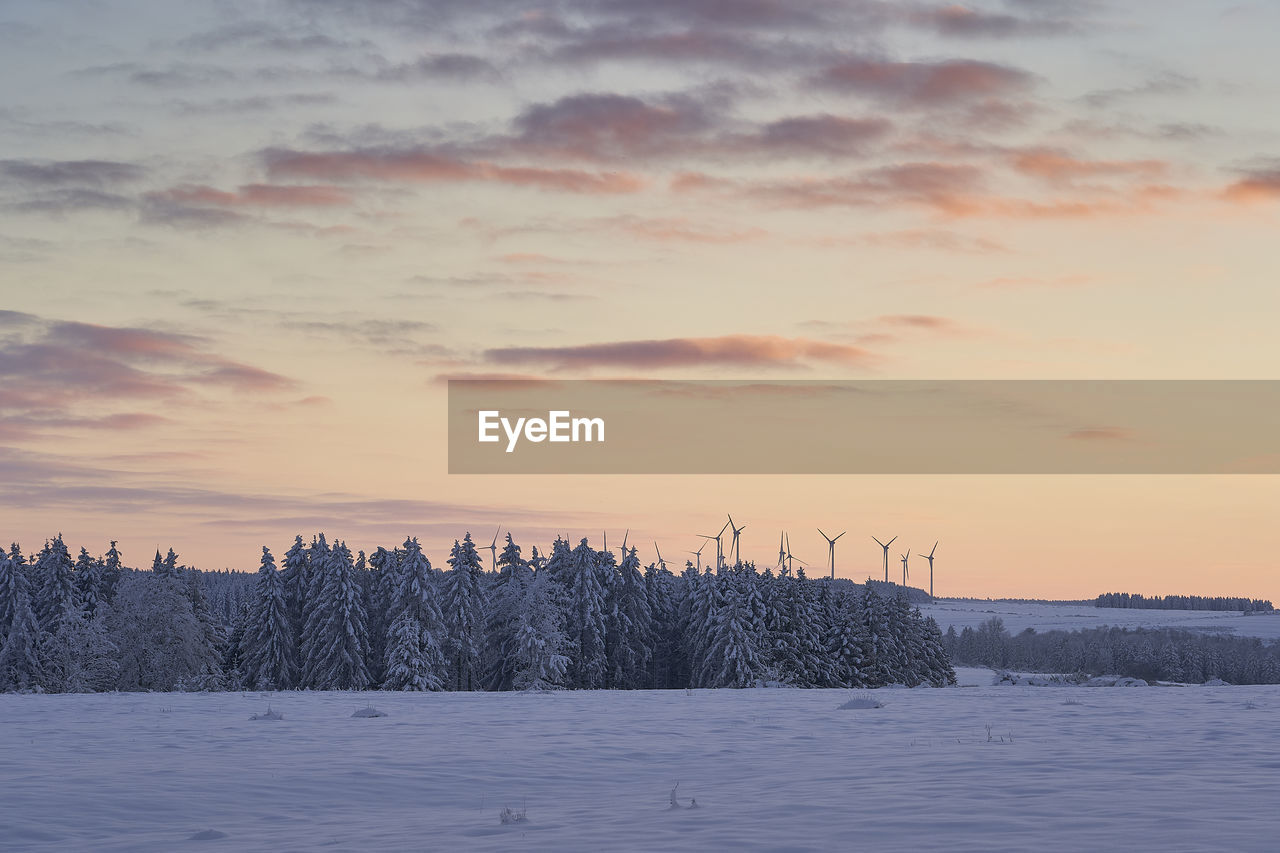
x=667, y=659
x=335, y=635
x=846, y=644
x=90, y=584
x=383, y=578
x=415, y=660
x=464, y=615
x=700, y=623
x=630, y=624
x=112, y=572
x=166, y=566
x=20, y=663
x=731, y=659
x=294, y=577
x=13, y=587
x=57, y=599
x=505, y=596
x=539, y=659
x=558, y=564
x=269, y=658
x=585, y=622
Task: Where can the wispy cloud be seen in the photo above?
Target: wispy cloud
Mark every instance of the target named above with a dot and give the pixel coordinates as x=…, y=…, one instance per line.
x=729, y=350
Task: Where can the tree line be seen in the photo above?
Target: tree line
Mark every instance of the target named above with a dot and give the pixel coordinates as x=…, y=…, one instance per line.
x=1182, y=602
x=1153, y=654
x=328, y=619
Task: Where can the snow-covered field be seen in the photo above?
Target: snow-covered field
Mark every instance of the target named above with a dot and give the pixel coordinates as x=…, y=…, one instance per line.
x=1070, y=768
x=1071, y=617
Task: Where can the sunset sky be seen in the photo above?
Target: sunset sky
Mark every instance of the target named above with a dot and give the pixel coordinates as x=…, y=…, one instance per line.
x=243, y=244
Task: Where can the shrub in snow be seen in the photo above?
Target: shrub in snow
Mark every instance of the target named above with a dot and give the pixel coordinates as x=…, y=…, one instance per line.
x=859, y=703
x=508, y=815
x=268, y=715
x=369, y=711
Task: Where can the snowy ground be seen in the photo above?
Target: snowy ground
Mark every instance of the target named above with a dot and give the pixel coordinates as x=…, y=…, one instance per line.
x=1070, y=768
x=1071, y=617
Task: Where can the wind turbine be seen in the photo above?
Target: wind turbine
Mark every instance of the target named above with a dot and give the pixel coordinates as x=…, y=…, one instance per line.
x=886, y=556
x=831, y=550
x=661, y=562
x=493, y=549
x=929, y=557
x=697, y=553
x=904, y=566
x=790, y=557
x=719, y=550
x=737, y=555
x=782, y=554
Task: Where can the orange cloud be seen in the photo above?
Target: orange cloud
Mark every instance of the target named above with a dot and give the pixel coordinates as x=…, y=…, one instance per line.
x=1058, y=167
x=1256, y=185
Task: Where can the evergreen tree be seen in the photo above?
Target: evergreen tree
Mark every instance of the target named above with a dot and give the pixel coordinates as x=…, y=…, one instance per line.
x=505, y=598
x=630, y=621
x=539, y=661
x=13, y=588
x=585, y=623
x=464, y=614
x=270, y=660
x=57, y=600
x=294, y=578
x=731, y=659
x=90, y=583
x=20, y=664
x=335, y=635
x=415, y=660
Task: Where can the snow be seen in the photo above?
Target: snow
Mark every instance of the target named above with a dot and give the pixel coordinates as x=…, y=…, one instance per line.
x=982, y=768
x=1018, y=616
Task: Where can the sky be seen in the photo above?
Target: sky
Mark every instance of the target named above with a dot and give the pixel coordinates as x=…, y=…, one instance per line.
x=243, y=245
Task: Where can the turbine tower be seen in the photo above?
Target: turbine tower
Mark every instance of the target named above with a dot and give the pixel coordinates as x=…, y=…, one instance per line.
x=831, y=550
x=886, y=556
x=493, y=549
x=719, y=547
x=697, y=553
x=737, y=555
x=929, y=557
x=904, y=566
x=789, y=555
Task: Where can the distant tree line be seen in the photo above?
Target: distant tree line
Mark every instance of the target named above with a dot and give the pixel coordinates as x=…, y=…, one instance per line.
x=1182, y=602
x=329, y=619
x=1154, y=654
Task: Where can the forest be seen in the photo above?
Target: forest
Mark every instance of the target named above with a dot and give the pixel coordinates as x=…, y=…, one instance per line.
x=1183, y=602
x=1153, y=654
x=328, y=619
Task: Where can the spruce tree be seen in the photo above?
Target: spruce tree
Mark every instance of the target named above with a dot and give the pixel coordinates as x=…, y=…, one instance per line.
x=415, y=660
x=335, y=636
x=269, y=656
x=464, y=614
x=20, y=663
x=585, y=623
x=57, y=599
x=630, y=621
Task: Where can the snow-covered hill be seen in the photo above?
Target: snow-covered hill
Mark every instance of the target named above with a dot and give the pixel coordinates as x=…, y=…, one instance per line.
x=1070, y=617
x=962, y=769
